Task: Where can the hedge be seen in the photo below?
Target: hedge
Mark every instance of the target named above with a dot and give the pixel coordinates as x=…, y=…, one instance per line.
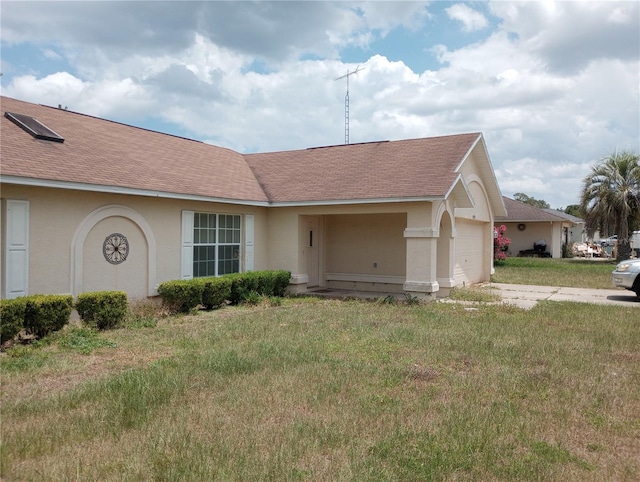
x=215, y=292
x=11, y=317
x=45, y=314
x=105, y=309
x=181, y=296
x=265, y=283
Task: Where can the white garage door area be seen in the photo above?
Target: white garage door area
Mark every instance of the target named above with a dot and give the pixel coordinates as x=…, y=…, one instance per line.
x=471, y=252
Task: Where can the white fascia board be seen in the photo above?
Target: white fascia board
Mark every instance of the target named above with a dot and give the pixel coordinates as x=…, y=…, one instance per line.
x=344, y=202
x=468, y=153
x=497, y=197
x=78, y=186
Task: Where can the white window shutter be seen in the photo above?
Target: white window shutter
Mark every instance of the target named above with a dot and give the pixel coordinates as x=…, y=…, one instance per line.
x=186, y=270
x=17, y=246
x=248, y=242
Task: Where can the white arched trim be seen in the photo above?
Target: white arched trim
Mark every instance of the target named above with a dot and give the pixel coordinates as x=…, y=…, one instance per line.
x=474, y=179
x=445, y=207
x=87, y=224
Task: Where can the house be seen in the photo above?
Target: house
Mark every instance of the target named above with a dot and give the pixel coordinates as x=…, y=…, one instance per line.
x=528, y=225
x=577, y=231
x=90, y=204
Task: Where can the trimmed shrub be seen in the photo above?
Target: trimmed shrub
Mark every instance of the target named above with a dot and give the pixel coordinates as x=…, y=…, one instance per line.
x=281, y=282
x=11, y=318
x=45, y=314
x=265, y=283
x=215, y=292
x=181, y=296
x=104, y=309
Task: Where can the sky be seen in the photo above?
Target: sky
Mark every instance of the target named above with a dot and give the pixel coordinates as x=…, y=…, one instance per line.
x=553, y=86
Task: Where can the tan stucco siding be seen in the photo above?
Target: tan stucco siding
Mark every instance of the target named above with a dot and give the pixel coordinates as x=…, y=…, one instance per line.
x=371, y=244
x=56, y=215
x=282, y=240
x=130, y=276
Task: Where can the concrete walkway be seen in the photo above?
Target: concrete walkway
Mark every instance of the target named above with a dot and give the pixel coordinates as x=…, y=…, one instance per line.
x=526, y=296
x=522, y=296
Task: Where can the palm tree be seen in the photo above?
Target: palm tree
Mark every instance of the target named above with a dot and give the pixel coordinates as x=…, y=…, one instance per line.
x=611, y=198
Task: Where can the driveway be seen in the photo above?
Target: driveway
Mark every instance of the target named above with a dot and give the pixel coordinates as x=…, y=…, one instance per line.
x=526, y=296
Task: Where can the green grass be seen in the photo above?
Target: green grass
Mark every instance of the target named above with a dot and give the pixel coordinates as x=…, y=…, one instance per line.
x=569, y=272
x=323, y=390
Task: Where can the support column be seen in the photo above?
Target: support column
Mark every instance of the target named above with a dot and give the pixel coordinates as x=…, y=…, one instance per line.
x=422, y=248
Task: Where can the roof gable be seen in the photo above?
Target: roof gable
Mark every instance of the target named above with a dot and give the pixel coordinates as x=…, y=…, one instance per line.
x=406, y=169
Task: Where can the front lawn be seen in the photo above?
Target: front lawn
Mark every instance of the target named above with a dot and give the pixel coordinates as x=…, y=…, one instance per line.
x=569, y=272
x=325, y=390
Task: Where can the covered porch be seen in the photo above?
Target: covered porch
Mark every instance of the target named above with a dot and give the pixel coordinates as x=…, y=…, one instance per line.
x=373, y=251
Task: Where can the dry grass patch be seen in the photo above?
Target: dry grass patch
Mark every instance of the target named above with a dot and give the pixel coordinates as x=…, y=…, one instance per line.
x=329, y=390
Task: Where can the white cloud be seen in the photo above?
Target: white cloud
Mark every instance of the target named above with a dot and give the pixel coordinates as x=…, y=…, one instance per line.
x=568, y=36
x=471, y=19
x=547, y=110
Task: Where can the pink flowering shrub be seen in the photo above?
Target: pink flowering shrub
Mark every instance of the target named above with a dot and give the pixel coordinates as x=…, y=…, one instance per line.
x=500, y=243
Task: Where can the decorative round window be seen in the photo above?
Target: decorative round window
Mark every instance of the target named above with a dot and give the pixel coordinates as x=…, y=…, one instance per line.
x=522, y=227
x=115, y=248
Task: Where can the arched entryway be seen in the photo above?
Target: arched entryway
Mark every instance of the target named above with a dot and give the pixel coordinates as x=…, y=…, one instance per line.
x=444, y=263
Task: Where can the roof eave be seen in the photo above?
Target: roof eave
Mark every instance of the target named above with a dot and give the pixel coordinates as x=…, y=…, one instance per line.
x=78, y=186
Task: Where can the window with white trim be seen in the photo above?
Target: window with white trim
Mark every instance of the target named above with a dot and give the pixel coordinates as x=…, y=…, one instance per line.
x=216, y=244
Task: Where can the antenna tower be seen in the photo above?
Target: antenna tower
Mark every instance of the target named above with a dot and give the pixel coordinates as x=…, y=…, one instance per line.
x=346, y=103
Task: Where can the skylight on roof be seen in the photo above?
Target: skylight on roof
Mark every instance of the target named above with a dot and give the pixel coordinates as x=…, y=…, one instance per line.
x=34, y=127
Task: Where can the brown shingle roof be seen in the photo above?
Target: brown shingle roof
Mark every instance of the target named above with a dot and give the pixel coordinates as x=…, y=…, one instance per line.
x=521, y=212
x=100, y=152
x=416, y=168
x=103, y=153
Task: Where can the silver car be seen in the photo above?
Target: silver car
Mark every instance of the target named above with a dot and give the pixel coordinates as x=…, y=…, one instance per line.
x=627, y=275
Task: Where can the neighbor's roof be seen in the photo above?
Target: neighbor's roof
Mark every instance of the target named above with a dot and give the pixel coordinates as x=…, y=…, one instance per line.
x=521, y=212
x=567, y=216
x=102, y=155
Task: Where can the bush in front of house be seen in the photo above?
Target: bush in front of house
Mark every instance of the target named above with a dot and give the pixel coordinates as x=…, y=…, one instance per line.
x=45, y=314
x=281, y=282
x=104, y=309
x=251, y=283
x=11, y=317
x=215, y=291
x=181, y=296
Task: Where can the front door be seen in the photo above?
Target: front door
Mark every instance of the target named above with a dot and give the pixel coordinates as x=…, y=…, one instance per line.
x=313, y=251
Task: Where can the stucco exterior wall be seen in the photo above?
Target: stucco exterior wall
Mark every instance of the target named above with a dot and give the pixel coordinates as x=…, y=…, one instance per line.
x=535, y=231
x=56, y=215
x=371, y=244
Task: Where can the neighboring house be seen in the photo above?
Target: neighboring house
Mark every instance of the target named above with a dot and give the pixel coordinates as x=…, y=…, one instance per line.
x=89, y=204
x=527, y=225
x=577, y=233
